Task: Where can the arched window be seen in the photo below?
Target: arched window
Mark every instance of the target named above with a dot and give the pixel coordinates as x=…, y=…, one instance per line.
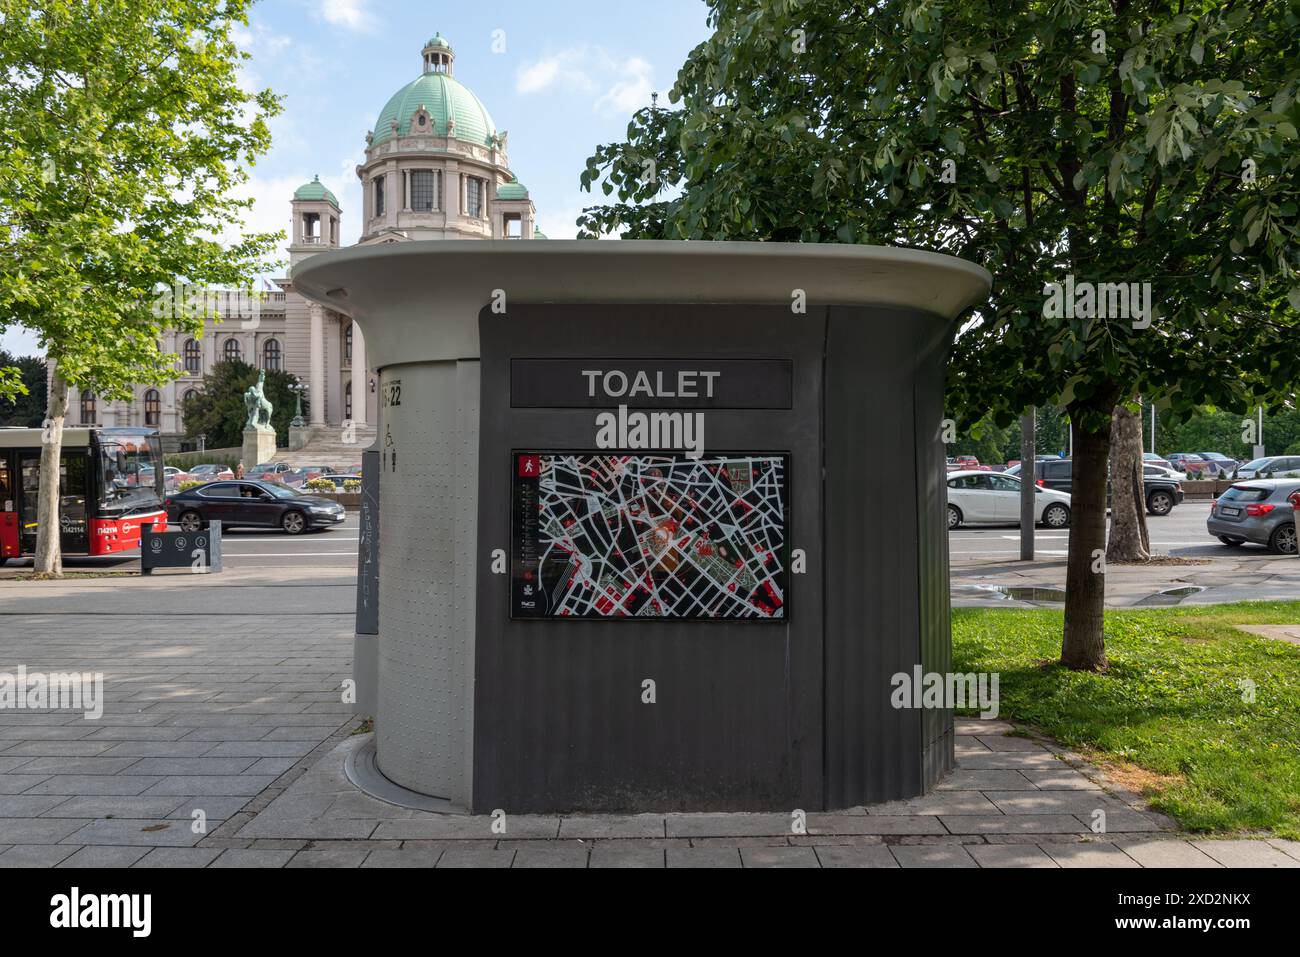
x=187, y=397
x=87, y=408
x=193, y=357
x=152, y=407
x=271, y=355
x=347, y=342
x=232, y=350
x=347, y=402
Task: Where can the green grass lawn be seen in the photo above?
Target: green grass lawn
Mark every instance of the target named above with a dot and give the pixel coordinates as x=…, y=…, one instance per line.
x=1169, y=717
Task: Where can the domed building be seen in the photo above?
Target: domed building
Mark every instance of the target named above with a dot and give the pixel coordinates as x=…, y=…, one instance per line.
x=435, y=168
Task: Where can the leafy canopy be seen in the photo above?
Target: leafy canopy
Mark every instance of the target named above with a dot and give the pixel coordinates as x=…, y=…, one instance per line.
x=218, y=411
x=124, y=132
x=1120, y=141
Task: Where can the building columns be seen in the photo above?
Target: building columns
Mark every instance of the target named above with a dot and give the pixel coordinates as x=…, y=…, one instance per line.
x=316, y=385
x=360, y=381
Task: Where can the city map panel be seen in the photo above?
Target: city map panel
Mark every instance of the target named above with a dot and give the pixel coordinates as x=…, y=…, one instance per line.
x=648, y=536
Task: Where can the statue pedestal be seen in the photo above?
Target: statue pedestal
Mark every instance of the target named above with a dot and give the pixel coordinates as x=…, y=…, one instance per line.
x=259, y=446
x=299, y=436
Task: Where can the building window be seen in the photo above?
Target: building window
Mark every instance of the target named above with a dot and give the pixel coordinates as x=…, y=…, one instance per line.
x=271, y=355
x=379, y=195
x=152, y=407
x=87, y=408
x=347, y=402
x=232, y=350
x=474, y=197
x=422, y=191
x=347, y=342
x=193, y=357
x=189, y=396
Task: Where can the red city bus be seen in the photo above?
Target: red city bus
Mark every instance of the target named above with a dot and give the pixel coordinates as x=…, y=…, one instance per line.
x=111, y=483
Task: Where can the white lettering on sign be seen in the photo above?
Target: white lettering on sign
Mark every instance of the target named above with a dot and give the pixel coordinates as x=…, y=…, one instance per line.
x=615, y=384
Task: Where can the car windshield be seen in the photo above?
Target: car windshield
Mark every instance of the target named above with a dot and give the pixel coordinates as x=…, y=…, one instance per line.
x=1256, y=463
x=1213, y=456
x=280, y=491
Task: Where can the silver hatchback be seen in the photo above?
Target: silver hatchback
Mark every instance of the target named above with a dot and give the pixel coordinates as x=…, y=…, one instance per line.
x=1260, y=511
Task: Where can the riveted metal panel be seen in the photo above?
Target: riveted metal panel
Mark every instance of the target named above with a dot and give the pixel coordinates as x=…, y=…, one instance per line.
x=428, y=442
x=560, y=721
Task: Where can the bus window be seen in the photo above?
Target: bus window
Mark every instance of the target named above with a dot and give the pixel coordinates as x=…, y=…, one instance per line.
x=6, y=487
x=129, y=474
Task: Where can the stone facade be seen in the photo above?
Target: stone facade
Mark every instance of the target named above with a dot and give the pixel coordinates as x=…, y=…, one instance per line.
x=436, y=168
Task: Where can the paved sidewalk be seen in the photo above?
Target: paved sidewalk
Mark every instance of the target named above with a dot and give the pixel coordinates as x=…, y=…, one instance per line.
x=223, y=702
x=972, y=583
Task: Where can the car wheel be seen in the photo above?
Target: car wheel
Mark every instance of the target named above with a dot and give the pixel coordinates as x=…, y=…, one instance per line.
x=1160, y=503
x=293, y=522
x=954, y=517
x=1231, y=541
x=1282, y=541
x=191, y=521
x=1056, y=516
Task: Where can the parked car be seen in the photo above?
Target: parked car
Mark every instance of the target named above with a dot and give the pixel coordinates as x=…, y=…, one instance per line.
x=1150, y=458
x=339, y=479
x=1220, y=466
x=1270, y=466
x=310, y=472
x=258, y=504
x=1190, y=464
x=172, y=476
x=967, y=461
x=1161, y=471
x=1162, y=494
x=991, y=498
x=210, y=473
x=1261, y=511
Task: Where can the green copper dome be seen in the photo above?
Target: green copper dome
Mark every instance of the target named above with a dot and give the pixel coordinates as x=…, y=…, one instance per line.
x=512, y=190
x=314, y=190
x=443, y=97
x=439, y=41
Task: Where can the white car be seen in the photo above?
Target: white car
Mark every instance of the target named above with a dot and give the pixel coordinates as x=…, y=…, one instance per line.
x=1159, y=471
x=1271, y=466
x=993, y=498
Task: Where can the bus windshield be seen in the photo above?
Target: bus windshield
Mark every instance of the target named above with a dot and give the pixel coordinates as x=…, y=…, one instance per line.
x=130, y=472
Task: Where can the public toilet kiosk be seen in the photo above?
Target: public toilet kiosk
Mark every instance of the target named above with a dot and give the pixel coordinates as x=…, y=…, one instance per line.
x=658, y=522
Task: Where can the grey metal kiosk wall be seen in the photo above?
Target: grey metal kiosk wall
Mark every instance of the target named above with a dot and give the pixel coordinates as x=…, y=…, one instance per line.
x=636, y=551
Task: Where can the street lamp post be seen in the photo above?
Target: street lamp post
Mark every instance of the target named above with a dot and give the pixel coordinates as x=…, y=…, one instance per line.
x=298, y=388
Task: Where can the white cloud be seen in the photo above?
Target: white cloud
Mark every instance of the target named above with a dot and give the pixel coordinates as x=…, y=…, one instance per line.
x=619, y=84
x=353, y=14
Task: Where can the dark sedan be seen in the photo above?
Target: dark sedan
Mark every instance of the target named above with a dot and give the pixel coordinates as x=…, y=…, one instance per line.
x=257, y=504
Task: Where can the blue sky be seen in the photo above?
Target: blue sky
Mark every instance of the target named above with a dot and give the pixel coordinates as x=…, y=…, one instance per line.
x=569, y=78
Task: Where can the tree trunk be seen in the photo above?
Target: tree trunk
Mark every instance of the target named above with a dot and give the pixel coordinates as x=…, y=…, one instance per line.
x=1129, y=541
x=1084, y=645
x=49, y=556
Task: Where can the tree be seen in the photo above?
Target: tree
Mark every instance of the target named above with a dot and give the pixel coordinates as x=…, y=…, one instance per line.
x=26, y=408
x=1129, y=540
x=1126, y=169
x=123, y=133
x=217, y=411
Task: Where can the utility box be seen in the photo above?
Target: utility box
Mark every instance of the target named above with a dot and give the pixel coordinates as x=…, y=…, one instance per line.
x=198, y=552
x=660, y=522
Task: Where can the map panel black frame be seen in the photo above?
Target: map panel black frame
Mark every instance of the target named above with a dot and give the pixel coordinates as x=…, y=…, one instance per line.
x=649, y=536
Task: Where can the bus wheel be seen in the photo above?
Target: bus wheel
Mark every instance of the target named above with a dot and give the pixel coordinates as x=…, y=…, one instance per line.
x=191, y=521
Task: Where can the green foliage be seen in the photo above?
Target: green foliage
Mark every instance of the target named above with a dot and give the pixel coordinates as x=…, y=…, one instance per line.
x=218, y=410
x=24, y=404
x=352, y=486
x=186, y=460
x=189, y=484
x=124, y=136
x=319, y=485
x=1171, y=703
x=1115, y=159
